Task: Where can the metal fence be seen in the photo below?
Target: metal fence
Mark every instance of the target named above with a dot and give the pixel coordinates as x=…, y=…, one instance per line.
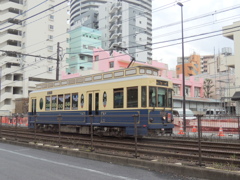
x=210, y=127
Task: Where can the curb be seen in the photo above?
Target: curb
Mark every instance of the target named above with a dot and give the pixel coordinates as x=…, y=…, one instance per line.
x=197, y=172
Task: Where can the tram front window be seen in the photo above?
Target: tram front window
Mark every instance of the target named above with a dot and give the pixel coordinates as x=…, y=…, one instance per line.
x=152, y=96
x=157, y=97
x=162, y=97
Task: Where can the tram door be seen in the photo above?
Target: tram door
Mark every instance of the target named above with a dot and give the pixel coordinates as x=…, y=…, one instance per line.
x=93, y=105
x=33, y=109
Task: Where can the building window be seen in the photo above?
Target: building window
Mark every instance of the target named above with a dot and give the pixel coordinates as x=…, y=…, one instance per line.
x=50, y=48
x=50, y=37
x=176, y=89
x=51, y=17
x=196, y=92
x=187, y=91
x=81, y=57
x=51, y=27
x=111, y=64
x=97, y=58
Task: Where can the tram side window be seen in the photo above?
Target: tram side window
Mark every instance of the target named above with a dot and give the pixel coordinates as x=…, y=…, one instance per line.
x=97, y=103
x=54, y=103
x=152, y=96
x=162, y=94
x=75, y=101
x=118, y=98
x=48, y=103
x=169, y=97
x=60, y=102
x=132, y=97
x=144, y=96
x=67, y=98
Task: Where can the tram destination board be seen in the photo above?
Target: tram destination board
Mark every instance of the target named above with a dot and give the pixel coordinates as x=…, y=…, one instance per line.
x=162, y=83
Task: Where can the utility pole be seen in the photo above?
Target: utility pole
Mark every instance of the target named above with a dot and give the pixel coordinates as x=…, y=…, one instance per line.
x=58, y=59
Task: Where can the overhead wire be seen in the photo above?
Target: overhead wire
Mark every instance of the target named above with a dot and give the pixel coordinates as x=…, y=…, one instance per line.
x=44, y=48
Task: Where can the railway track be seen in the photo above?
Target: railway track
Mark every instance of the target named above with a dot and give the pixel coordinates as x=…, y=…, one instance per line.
x=147, y=148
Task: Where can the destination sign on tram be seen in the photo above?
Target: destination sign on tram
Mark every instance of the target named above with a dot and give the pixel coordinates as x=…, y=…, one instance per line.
x=162, y=83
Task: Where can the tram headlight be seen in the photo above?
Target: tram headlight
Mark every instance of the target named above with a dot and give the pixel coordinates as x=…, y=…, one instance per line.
x=169, y=117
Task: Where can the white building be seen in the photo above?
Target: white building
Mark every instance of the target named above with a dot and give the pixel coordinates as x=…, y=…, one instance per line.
x=23, y=32
x=124, y=23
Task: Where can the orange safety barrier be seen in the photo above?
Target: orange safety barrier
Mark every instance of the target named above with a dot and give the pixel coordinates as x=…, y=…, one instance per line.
x=220, y=132
x=181, y=129
x=194, y=129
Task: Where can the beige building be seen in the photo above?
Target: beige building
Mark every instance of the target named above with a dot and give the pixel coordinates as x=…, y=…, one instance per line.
x=233, y=32
x=37, y=35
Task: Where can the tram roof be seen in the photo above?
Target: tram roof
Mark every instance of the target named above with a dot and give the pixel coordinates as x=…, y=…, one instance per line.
x=115, y=74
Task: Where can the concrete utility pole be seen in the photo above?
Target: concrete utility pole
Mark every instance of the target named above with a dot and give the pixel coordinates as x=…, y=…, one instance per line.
x=58, y=59
x=183, y=71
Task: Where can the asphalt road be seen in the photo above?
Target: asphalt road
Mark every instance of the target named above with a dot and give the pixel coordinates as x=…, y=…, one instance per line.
x=20, y=163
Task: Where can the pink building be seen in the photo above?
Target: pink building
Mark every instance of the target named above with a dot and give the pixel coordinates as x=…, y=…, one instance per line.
x=103, y=62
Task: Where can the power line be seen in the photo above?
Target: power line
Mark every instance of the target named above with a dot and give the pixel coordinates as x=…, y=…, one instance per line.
x=36, y=14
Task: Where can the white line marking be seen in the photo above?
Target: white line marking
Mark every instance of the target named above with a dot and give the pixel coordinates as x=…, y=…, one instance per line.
x=68, y=165
x=21, y=150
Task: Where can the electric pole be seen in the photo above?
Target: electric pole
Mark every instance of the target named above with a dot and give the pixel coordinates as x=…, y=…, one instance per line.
x=58, y=59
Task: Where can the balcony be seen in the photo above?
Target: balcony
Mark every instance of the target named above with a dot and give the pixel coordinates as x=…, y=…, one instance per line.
x=6, y=95
x=5, y=46
x=113, y=27
x=12, y=37
x=7, y=4
x=114, y=43
x=114, y=8
x=17, y=83
x=6, y=15
x=9, y=59
x=115, y=34
x=114, y=17
x=10, y=70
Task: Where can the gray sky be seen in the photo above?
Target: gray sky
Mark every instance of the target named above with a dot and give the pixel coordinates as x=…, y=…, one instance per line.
x=206, y=16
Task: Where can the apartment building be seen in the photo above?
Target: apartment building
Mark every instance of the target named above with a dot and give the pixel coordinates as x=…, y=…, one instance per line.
x=110, y=18
x=81, y=44
x=22, y=31
x=192, y=67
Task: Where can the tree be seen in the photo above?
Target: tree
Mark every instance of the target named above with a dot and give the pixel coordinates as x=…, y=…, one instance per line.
x=208, y=84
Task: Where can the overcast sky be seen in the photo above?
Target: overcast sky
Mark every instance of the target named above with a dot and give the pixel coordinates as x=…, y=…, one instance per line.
x=204, y=16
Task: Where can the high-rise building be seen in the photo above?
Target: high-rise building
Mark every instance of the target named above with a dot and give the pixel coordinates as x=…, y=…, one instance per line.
x=33, y=29
x=124, y=23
